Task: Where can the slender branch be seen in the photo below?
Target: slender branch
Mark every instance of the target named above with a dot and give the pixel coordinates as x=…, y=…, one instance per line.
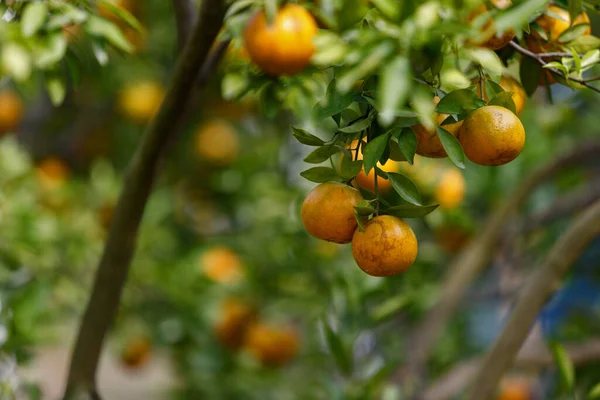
x=467, y=264
x=556, y=72
x=453, y=382
x=556, y=54
x=564, y=206
x=120, y=246
x=185, y=18
x=532, y=298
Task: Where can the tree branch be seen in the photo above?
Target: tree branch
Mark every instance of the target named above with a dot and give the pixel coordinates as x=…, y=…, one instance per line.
x=452, y=383
x=532, y=298
x=556, y=72
x=185, y=18
x=467, y=265
x=120, y=246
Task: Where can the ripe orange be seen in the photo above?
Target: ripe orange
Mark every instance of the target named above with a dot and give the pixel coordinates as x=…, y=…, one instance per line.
x=217, y=142
x=428, y=141
x=136, y=353
x=272, y=346
x=328, y=212
x=222, y=265
x=286, y=46
x=450, y=190
x=492, y=135
x=554, y=27
x=514, y=390
x=509, y=84
x=235, y=318
x=140, y=100
x=11, y=111
x=52, y=173
x=495, y=42
x=368, y=181
x=387, y=246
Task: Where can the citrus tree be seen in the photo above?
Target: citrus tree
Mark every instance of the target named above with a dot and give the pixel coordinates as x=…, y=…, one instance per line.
x=387, y=100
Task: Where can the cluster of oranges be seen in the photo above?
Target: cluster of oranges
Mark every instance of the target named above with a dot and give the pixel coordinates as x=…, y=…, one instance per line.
x=386, y=246
x=239, y=326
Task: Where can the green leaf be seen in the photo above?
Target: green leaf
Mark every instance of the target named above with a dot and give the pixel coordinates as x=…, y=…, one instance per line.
x=518, y=16
x=122, y=13
x=33, y=18
x=389, y=308
x=233, y=85
x=336, y=102
x=389, y=8
x=358, y=126
x=270, y=10
x=321, y=154
x=531, y=74
x=573, y=33
x=394, y=86
x=410, y=210
x=50, y=51
x=373, y=151
x=459, y=101
x=320, y=175
x=504, y=99
x=99, y=27
x=594, y=392
x=364, y=208
x=16, y=61
x=349, y=169
x=492, y=88
x=590, y=58
x=575, y=7
x=405, y=188
x=341, y=357
x=407, y=142
x=488, y=59
x=56, y=88
x=585, y=43
x=368, y=64
x=306, y=138
x=564, y=363
x=452, y=147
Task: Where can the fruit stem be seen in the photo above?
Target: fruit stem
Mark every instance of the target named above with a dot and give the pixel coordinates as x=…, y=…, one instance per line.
x=481, y=83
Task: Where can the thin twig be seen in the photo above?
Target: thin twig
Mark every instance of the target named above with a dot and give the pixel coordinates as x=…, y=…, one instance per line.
x=556, y=72
x=114, y=264
x=532, y=298
x=459, y=377
x=467, y=264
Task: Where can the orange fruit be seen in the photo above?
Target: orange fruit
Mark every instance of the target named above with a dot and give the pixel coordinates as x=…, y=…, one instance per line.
x=492, y=135
x=450, y=190
x=217, y=142
x=509, y=84
x=285, y=46
x=272, y=346
x=554, y=27
x=52, y=173
x=387, y=246
x=368, y=181
x=428, y=141
x=136, y=353
x=494, y=42
x=139, y=101
x=222, y=265
x=235, y=318
x=328, y=212
x=11, y=111
x=514, y=390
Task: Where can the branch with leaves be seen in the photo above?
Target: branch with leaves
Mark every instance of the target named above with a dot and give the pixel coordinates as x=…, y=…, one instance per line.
x=533, y=296
x=120, y=245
